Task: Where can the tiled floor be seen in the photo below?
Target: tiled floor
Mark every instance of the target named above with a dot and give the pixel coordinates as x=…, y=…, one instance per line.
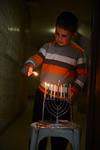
x=16, y=136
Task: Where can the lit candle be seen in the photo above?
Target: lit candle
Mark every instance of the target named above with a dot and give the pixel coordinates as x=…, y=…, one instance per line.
x=58, y=92
x=51, y=86
x=45, y=90
x=64, y=90
x=61, y=91
x=67, y=89
x=54, y=89
x=48, y=89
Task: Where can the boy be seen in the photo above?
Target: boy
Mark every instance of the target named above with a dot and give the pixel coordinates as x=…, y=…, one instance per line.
x=61, y=60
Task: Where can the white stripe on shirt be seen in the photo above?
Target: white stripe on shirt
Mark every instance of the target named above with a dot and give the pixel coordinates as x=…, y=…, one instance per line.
x=43, y=51
x=64, y=59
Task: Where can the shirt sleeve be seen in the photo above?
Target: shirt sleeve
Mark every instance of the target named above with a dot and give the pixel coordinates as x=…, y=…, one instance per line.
x=38, y=58
x=81, y=73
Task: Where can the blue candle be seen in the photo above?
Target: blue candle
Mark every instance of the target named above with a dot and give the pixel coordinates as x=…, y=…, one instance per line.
x=67, y=89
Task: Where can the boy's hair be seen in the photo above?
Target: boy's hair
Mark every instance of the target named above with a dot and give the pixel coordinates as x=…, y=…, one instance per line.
x=68, y=21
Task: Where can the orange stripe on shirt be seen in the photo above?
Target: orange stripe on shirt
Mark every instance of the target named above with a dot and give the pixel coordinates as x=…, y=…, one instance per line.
x=38, y=58
x=55, y=69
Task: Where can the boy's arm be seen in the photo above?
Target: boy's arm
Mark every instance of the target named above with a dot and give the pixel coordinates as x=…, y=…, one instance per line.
x=81, y=74
x=34, y=61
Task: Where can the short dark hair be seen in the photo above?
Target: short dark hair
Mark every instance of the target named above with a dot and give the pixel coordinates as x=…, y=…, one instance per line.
x=68, y=21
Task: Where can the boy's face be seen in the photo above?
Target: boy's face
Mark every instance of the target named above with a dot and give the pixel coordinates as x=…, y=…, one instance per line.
x=62, y=36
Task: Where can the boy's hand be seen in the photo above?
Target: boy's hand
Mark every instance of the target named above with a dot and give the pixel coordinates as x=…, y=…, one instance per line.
x=72, y=99
x=28, y=70
x=71, y=96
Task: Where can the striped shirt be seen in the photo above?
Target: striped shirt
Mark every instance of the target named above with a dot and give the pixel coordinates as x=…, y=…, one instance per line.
x=64, y=63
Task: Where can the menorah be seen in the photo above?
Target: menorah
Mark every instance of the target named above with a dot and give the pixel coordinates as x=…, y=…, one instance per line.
x=56, y=100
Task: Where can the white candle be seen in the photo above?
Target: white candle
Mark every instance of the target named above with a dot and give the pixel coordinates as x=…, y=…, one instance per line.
x=48, y=89
x=64, y=90
x=45, y=90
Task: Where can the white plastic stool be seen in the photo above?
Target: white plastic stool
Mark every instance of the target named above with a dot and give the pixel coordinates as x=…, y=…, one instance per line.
x=65, y=129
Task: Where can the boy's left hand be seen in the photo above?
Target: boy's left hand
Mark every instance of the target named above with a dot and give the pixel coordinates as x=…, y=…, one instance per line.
x=72, y=96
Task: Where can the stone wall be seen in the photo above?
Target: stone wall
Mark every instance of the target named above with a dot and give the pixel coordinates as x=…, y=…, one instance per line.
x=13, y=93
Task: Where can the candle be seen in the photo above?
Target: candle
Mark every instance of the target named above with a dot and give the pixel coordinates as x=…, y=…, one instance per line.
x=67, y=89
x=48, y=89
x=51, y=86
x=45, y=89
x=54, y=89
x=58, y=92
x=64, y=90
x=61, y=91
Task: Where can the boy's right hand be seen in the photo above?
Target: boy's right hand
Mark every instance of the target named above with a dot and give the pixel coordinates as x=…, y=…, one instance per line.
x=28, y=69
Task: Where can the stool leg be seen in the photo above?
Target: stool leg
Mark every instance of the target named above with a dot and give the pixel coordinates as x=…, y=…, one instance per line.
x=76, y=145
x=34, y=137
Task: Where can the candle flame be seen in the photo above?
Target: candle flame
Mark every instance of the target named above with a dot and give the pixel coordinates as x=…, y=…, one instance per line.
x=35, y=73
